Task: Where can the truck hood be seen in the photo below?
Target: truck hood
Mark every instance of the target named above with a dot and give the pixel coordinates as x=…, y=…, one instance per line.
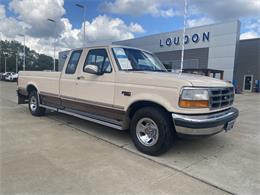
x=202, y=81
x=168, y=79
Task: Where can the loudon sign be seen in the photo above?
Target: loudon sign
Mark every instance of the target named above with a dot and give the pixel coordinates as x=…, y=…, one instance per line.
x=194, y=38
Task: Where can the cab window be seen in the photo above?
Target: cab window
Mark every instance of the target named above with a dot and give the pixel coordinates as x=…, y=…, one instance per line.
x=73, y=62
x=100, y=58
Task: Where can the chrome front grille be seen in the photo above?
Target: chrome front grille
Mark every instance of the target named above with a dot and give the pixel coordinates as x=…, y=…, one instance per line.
x=221, y=97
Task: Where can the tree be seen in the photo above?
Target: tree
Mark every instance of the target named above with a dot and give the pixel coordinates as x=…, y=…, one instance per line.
x=34, y=60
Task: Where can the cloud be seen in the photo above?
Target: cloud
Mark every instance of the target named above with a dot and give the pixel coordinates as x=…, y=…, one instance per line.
x=253, y=25
x=9, y=26
x=216, y=10
x=106, y=29
x=40, y=34
x=134, y=27
x=101, y=30
x=199, y=22
x=35, y=14
x=223, y=9
x=252, y=29
x=206, y=12
x=163, y=8
x=249, y=35
x=2, y=12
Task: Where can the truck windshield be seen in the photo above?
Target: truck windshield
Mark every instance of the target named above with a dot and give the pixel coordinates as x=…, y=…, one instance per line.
x=129, y=59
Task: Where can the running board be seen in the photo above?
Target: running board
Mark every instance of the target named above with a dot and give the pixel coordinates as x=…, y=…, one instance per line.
x=91, y=119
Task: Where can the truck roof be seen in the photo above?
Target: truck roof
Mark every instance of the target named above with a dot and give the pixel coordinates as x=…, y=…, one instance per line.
x=107, y=46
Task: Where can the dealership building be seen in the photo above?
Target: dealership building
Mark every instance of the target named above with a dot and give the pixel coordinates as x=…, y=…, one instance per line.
x=214, y=50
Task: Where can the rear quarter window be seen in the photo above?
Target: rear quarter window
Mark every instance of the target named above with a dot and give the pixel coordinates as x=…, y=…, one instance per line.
x=73, y=62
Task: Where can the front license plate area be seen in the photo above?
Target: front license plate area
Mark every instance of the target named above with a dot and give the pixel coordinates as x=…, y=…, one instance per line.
x=229, y=125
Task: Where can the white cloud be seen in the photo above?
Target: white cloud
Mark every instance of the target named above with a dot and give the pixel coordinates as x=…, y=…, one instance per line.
x=253, y=25
x=31, y=20
x=134, y=27
x=2, y=12
x=249, y=35
x=167, y=13
x=223, y=9
x=35, y=14
x=106, y=29
x=139, y=7
x=101, y=30
x=9, y=26
x=70, y=38
x=252, y=28
x=199, y=22
x=216, y=10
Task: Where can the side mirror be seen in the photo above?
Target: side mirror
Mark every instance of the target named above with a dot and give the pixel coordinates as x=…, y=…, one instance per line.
x=92, y=69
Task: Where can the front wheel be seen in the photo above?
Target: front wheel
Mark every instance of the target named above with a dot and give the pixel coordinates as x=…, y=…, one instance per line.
x=34, y=107
x=152, y=131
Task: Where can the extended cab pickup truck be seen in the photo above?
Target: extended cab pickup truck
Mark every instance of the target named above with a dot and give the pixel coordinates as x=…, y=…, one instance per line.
x=129, y=88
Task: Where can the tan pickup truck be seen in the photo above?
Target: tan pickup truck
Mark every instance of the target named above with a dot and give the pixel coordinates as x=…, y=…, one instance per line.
x=128, y=88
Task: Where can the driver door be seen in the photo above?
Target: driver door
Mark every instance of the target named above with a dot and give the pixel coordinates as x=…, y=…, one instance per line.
x=96, y=92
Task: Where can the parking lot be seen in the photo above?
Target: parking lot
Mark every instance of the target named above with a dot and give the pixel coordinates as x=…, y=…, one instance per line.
x=59, y=154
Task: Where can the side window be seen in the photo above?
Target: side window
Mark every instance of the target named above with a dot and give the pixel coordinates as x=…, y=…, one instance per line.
x=73, y=62
x=100, y=58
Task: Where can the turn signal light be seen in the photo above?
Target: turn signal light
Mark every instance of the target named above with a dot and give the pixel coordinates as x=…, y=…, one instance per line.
x=194, y=103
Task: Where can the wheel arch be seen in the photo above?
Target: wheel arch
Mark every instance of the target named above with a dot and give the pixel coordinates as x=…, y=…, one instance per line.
x=134, y=106
x=143, y=103
x=31, y=87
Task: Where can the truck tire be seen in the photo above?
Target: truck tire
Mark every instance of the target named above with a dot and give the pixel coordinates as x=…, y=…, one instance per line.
x=152, y=131
x=33, y=103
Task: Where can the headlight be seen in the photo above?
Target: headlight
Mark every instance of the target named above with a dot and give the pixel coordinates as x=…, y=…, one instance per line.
x=194, y=98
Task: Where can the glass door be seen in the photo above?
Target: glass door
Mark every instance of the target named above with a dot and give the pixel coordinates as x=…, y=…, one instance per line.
x=248, y=83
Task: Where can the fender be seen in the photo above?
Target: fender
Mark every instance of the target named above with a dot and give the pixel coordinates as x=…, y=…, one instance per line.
x=155, y=98
x=31, y=83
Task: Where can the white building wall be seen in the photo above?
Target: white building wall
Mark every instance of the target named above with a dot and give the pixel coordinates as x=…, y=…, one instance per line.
x=223, y=38
x=222, y=47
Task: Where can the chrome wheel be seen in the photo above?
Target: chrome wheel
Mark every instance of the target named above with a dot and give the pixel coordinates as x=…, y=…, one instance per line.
x=147, y=131
x=33, y=103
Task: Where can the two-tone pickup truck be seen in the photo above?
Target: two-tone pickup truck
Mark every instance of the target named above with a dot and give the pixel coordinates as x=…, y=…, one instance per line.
x=129, y=88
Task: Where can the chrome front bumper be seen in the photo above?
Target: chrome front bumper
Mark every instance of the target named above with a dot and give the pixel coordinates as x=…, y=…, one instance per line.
x=206, y=124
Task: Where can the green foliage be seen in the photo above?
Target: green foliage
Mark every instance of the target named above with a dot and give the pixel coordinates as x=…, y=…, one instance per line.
x=34, y=60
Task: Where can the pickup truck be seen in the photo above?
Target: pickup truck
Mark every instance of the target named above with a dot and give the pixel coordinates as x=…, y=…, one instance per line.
x=129, y=88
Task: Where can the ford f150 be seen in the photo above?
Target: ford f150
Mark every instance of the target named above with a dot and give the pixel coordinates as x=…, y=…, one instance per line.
x=129, y=88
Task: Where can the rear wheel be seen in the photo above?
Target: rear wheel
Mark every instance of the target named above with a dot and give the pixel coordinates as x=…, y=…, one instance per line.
x=34, y=107
x=152, y=131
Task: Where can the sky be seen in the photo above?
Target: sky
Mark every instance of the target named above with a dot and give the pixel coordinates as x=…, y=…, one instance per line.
x=113, y=20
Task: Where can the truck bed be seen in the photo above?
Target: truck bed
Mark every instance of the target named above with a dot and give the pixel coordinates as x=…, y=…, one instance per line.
x=44, y=81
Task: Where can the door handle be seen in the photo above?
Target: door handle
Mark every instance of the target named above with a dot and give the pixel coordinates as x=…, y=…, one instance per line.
x=81, y=77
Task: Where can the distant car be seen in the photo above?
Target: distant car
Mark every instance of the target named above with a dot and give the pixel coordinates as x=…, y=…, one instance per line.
x=4, y=75
x=11, y=76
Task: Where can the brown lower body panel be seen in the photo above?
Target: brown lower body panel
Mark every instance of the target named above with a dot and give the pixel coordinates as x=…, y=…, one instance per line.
x=82, y=106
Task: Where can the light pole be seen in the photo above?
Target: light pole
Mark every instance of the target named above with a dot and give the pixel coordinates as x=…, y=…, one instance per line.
x=183, y=34
x=84, y=21
x=22, y=35
x=54, y=44
x=5, y=63
x=6, y=56
x=16, y=63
